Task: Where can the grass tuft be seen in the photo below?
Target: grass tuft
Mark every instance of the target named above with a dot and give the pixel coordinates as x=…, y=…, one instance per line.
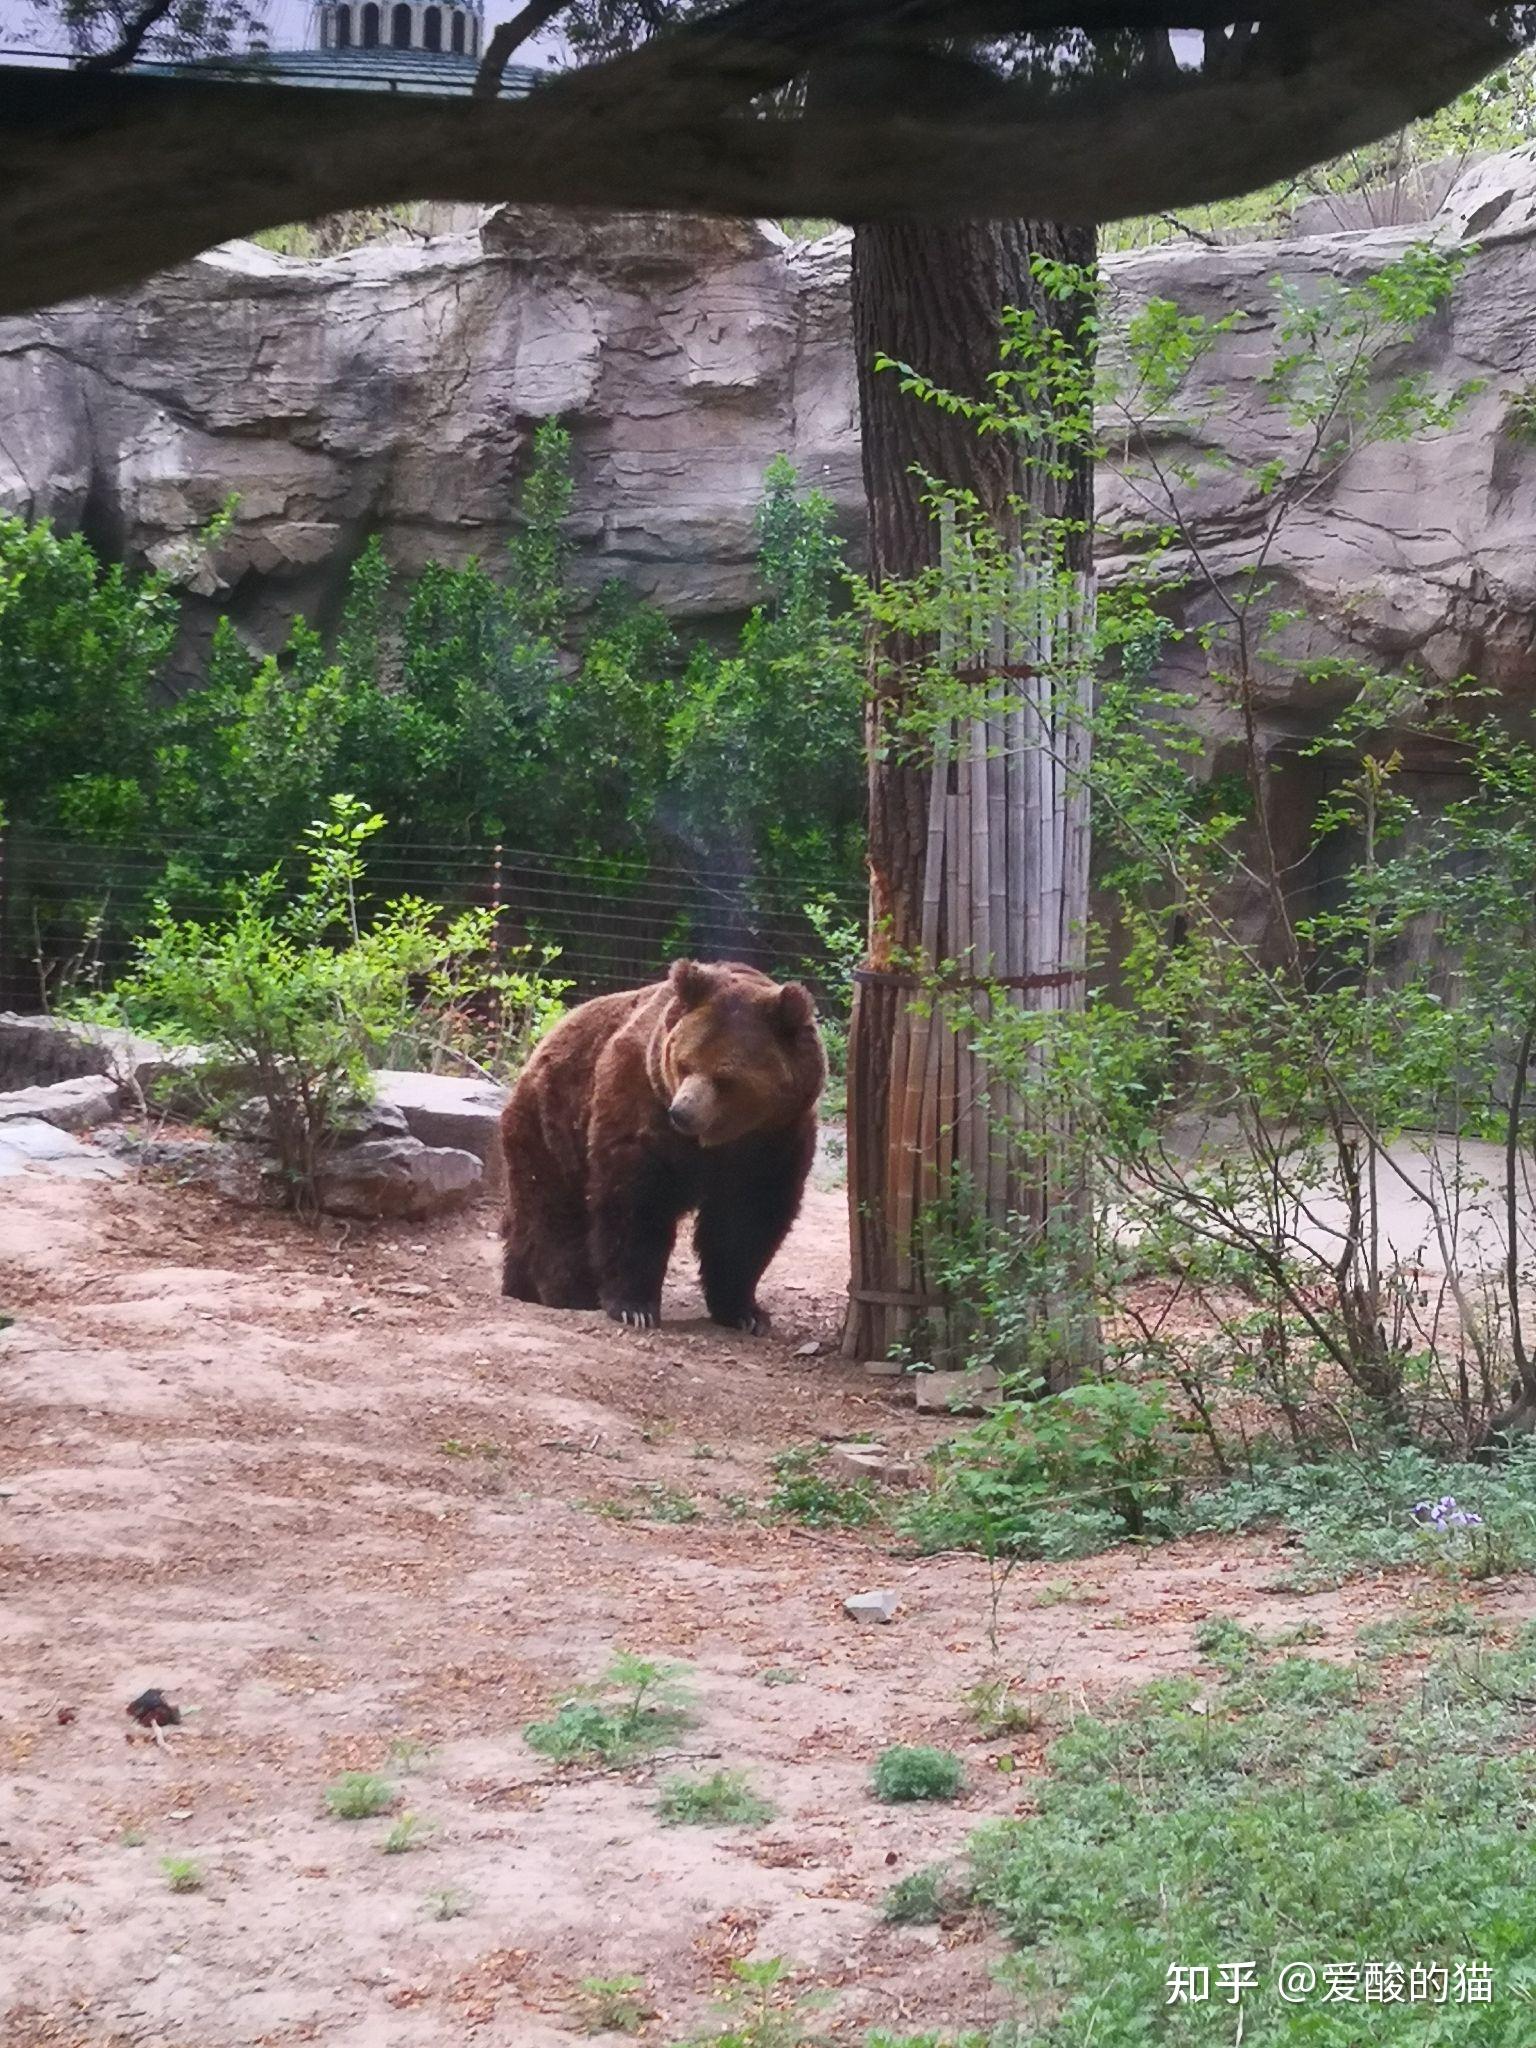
x=803, y=1493
x=996, y=1708
x=905, y=1773
x=182, y=1874
x=447, y=1905
x=724, y=1799
x=923, y=1896
x=358, y=1795
x=635, y=1706
x=614, y=2005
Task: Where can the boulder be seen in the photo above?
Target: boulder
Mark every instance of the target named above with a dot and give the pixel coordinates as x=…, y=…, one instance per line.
x=35, y=1052
x=446, y=1109
x=38, y=1051
x=397, y=1177
x=420, y=1148
x=396, y=390
x=79, y=1105
x=685, y=354
x=373, y=1167
x=250, y=1123
x=28, y=1145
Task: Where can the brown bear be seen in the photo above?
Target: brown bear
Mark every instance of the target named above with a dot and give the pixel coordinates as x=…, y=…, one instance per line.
x=696, y=1094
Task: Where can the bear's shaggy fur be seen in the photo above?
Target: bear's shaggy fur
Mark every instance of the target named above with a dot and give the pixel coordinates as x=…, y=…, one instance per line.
x=696, y=1094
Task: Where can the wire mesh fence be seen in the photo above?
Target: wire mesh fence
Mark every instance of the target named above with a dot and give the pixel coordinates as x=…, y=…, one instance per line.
x=70, y=909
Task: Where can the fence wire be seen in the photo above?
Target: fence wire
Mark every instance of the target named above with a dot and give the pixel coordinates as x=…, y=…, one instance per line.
x=70, y=909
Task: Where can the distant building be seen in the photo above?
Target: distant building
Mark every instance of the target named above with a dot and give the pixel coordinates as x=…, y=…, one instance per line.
x=419, y=46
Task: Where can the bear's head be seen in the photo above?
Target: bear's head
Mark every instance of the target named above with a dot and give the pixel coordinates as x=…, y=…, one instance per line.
x=735, y=1053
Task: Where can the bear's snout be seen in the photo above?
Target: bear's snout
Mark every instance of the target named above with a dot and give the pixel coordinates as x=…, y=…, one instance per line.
x=689, y=1109
x=683, y=1117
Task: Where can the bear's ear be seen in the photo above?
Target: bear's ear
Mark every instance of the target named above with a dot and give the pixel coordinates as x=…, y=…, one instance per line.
x=691, y=983
x=795, y=1009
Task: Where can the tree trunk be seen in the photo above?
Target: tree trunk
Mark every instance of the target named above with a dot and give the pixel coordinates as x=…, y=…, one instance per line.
x=978, y=858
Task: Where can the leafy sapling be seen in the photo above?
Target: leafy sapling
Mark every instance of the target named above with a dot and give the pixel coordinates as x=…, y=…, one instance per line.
x=614, y=2005
x=409, y=1832
x=637, y=1704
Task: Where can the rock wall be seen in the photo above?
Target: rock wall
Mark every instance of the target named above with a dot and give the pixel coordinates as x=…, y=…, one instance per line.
x=396, y=390
x=1419, y=552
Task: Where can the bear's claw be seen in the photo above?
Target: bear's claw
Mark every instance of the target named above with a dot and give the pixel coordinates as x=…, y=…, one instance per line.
x=636, y=1318
x=755, y=1323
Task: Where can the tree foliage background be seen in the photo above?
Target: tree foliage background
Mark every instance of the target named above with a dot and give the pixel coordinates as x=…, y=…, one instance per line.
x=466, y=705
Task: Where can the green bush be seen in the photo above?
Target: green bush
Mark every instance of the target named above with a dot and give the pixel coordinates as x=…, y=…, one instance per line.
x=81, y=651
x=1055, y=1477
x=923, y=1896
x=908, y=1773
x=468, y=705
x=293, y=997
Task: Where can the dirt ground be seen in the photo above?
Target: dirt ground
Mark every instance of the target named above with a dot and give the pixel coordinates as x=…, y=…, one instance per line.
x=342, y=1500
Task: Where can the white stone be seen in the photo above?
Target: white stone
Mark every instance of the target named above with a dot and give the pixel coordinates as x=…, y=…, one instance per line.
x=871, y=1461
x=956, y=1393
x=880, y=1604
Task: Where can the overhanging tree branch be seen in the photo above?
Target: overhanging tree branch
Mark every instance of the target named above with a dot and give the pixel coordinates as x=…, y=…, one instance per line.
x=508, y=36
x=105, y=178
x=127, y=47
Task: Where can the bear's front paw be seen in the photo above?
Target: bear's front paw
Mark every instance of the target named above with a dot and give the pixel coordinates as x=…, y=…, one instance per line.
x=635, y=1316
x=754, y=1321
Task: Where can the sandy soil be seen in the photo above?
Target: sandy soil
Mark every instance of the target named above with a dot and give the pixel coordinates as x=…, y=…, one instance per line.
x=342, y=1500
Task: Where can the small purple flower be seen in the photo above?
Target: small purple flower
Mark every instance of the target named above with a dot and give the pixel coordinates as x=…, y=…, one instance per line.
x=1444, y=1514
